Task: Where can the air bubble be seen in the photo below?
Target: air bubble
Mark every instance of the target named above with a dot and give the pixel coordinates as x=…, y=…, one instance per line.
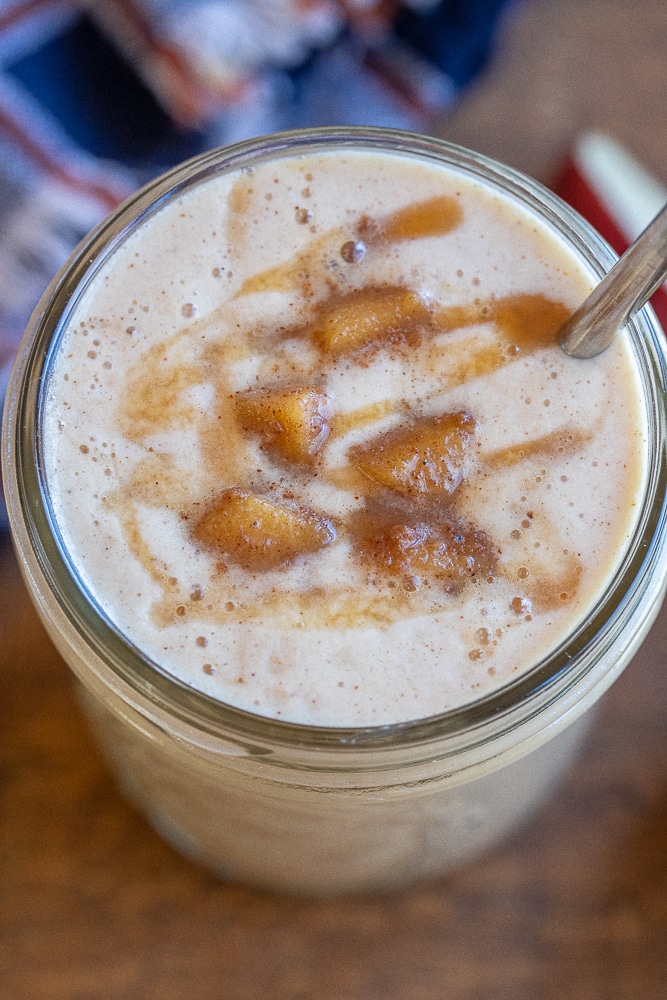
x=520, y=605
x=353, y=251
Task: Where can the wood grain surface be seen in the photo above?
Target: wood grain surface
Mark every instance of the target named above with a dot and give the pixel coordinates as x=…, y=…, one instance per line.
x=93, y=904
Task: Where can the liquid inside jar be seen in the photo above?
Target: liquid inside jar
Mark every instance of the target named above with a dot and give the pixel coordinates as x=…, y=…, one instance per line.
x=314, y=448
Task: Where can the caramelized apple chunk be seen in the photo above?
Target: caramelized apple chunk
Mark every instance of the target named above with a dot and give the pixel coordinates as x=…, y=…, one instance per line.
x=259, y=532
x=450, y=555
x=369, y=316
x=292, y=423
x=431, y=456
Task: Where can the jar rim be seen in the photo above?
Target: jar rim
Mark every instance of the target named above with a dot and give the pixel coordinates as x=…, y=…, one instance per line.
x=35, y=530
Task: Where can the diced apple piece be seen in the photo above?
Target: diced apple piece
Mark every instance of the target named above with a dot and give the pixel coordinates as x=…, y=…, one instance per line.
x=293, y=423
x=258, y=532
x=449, y=555
x=428, y=457
x=369, y=316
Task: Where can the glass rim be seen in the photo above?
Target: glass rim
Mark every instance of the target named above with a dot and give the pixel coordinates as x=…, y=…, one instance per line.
x=547, y=681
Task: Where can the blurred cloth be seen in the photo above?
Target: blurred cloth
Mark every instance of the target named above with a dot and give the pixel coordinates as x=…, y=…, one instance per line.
x=98, y=96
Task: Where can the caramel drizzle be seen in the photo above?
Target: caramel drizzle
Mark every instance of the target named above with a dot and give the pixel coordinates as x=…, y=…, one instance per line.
x=158, y=386
x=433, y=217
x=566, y=440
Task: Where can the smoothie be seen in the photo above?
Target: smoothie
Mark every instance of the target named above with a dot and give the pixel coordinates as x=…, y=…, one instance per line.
x=339, y=543
x=314, y=450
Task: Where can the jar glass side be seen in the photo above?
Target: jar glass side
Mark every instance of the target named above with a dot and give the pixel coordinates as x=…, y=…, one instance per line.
x=575, y=673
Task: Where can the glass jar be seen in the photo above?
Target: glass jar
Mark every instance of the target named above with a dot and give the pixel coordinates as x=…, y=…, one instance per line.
x=323, y=810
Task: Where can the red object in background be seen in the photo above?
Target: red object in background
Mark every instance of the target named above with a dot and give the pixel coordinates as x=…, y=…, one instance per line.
x=606, y=185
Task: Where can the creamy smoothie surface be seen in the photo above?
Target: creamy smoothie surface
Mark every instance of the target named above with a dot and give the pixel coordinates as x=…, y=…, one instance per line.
x=314, y=450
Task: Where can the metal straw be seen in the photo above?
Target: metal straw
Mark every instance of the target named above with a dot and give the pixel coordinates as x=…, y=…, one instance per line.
x=625, y=289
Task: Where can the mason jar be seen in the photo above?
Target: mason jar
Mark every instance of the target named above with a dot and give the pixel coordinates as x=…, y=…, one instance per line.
x=312, y=809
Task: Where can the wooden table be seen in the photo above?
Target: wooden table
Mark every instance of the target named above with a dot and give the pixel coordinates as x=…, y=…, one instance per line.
x=574, y=907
